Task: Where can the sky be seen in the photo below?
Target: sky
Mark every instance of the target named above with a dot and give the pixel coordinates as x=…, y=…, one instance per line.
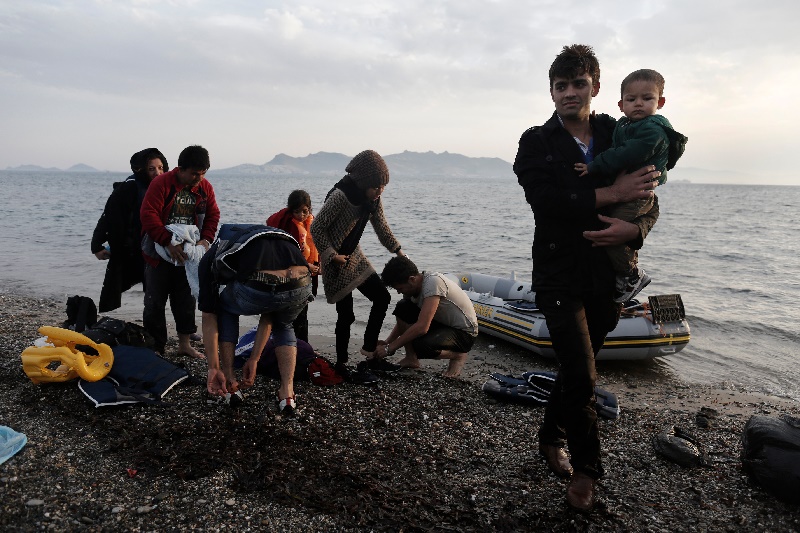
x=93, y=82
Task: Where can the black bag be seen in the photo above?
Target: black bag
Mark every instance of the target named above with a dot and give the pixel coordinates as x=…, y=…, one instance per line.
x=115, y=332
x=771, y=454
x=81, y=313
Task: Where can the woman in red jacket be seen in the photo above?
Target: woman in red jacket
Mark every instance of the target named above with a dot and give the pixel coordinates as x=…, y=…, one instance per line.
x=296, y=219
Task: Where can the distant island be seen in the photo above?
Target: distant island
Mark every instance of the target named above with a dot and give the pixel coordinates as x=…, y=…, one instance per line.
x=80, y=167
x=333, y=164
x=403, y=164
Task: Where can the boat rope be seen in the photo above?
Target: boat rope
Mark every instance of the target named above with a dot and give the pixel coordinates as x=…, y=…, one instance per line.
x=643, y=310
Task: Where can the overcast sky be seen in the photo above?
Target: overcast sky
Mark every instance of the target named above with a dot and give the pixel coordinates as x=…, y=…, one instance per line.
x=94, y=81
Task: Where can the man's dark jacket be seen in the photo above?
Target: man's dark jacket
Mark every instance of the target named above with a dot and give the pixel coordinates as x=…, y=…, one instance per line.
x=563, y=206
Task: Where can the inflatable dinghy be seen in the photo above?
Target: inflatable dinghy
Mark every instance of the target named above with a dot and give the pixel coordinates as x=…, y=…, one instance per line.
x=506, y=309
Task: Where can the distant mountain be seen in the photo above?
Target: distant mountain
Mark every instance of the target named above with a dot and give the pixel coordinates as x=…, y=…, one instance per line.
x=702, y=175
x=404, y=164
x=321, y=163
x=80, y=167
x=446, y=164
x=34, y=168
x=333, y=164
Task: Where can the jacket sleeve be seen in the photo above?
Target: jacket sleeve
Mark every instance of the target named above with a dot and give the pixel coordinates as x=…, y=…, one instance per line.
x=382, y=229
x=647, y=140
x=119, y=208
x=208, y=298
x=150, y=214
x=311, y=253
x=212, y=216
x=100, y=234
x=323, y=221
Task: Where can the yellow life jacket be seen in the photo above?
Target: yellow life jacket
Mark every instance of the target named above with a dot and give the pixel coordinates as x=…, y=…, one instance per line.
x=36, y=360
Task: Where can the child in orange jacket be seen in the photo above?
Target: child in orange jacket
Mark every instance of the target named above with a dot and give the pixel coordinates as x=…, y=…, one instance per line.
x=296, y=220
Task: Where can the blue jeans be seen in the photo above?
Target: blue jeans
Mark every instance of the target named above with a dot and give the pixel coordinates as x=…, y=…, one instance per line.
x=283, y=307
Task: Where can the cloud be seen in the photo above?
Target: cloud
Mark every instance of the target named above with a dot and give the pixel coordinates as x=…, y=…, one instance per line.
x=257, y=78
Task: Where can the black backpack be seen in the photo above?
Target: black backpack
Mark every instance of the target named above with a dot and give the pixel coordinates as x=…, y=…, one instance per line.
x=82, y=317
x=81, y=313
x=771, y=454
x=115, y=332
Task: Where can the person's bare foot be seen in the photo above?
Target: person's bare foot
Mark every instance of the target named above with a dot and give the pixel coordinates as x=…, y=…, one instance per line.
x=368, y=355
x=190, y=351
x=455, y=366
x=185, y=347
x=409, y=362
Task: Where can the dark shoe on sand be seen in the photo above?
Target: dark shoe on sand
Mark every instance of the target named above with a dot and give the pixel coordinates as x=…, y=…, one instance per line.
x=580, y=493
x=357, y=377
x=379, y=366
x=556, y=459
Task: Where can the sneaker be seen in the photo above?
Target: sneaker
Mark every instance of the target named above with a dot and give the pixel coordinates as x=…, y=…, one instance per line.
x=380, y=365
x=235, y=399
x=287, y=406
x=232, y=400
x=633, y=284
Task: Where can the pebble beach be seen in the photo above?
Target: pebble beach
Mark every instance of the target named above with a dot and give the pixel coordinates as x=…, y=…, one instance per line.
x=416, y=452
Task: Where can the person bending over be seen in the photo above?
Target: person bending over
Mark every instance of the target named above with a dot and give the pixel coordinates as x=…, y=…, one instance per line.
x=337, y=230
x=264, y=273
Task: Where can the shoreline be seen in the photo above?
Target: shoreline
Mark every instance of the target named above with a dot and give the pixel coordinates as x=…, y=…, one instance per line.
x=416, y=452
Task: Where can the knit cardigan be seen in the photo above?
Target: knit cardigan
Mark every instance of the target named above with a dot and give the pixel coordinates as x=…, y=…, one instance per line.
x=330, y=227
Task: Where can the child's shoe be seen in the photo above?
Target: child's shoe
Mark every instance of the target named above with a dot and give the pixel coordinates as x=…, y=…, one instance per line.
x=630, y=286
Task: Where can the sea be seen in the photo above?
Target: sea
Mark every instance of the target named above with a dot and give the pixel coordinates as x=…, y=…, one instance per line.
x=730, y=251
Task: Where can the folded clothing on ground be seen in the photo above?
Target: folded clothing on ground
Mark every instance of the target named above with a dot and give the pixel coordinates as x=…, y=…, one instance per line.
x=138, y=375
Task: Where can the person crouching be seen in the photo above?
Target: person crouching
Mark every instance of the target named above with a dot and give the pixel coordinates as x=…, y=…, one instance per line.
x=435, y=318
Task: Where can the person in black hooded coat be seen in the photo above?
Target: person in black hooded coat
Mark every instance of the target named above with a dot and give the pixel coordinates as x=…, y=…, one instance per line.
x=120, y=227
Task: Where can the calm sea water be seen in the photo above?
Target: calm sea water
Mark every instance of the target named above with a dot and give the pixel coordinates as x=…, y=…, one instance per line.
x=729, y=250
